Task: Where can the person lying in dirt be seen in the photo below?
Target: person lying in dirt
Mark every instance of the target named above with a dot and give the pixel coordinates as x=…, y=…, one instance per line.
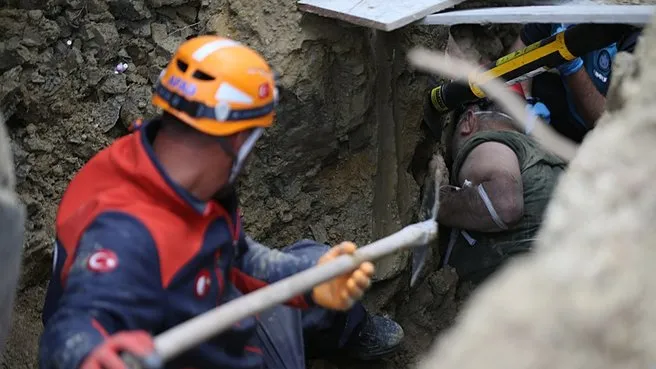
x=149, y=236
x=574, y=99
x=501, y=182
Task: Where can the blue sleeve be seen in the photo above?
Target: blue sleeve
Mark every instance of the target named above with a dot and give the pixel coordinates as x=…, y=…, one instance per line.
x=534, y=32
x=259, y=265
x=101, y=296
x=628, y=43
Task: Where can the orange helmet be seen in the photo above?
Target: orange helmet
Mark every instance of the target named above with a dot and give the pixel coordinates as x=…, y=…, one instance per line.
x=218, y=86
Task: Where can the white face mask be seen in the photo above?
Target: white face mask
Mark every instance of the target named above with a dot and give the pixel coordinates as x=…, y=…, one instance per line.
x=243, y=152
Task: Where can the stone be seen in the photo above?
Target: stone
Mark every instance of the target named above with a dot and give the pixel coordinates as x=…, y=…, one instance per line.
x=161, y=3
x=32, y=38
x=9, y=91
x=133, y=10
x=37, y=78
x=35, y=14
x=74, y=4
x=114, y=84
x=107, y=115
x=137, y=105
x=138, y=50
x=188, y=14
x=97, y=7
x=101, y=35
x=140, y=29
x=50, y=30
x=161, y=37
x=11, y=54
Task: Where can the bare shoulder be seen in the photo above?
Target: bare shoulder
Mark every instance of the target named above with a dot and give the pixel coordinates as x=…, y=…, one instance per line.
x=488, y=160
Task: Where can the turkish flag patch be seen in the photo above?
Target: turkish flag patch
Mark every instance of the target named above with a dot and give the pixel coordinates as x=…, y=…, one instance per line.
x=102, y=261
x=202, y=283
x=264, y=91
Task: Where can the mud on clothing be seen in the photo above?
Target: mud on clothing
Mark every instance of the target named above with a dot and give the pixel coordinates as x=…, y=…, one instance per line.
x=135, y=251
x=555, y=93
x=475, y=261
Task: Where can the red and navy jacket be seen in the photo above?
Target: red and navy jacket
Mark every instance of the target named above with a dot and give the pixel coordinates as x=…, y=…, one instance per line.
x=135, y=251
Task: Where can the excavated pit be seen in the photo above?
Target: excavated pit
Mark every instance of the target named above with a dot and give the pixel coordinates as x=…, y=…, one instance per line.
x=345, y=159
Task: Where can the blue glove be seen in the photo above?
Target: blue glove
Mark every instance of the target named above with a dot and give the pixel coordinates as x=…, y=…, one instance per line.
x=534, y=107
x=571, y=67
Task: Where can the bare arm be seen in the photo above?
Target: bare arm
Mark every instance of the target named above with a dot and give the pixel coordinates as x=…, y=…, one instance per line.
x=495, y=166
x=590, y=103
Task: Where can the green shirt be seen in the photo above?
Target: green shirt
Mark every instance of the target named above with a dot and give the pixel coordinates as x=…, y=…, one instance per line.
x=539, y=171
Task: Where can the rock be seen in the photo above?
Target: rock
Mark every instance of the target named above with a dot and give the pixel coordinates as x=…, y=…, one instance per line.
x=141, y=29
x=35, y=14
x=73, y=60
x=138, y=50
x=32, y=37
x=37, y=144
x=64, y=27
x=188, y=13
x=37, y=78
x=97, y=7
x=161, y=3
x=137, y=105
x=114, y=84
x=107, y=115
x=133, y=10
x=319, y=232
x=101, y=35
x=9, y=91
x=12, y=22
x=94, y=75
x=12, y=53
x=50, y=30
x=74, y=4
x=161, y=37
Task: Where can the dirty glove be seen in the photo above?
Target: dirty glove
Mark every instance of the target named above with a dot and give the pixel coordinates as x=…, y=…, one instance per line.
x=536, y=107
x=107, y=355
x=571, y=67
x=342, y=292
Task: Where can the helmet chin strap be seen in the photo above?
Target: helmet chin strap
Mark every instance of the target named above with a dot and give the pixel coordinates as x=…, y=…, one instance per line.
x=238, y=159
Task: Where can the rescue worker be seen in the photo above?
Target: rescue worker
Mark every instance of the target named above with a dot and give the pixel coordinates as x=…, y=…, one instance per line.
x=575, y=97
x=501, y=182
x=149, y=233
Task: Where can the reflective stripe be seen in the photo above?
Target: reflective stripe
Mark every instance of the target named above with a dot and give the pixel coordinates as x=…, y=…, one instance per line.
x=207, y=49
x=230, y=93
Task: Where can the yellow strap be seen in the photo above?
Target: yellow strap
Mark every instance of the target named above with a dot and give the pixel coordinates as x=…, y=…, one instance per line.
x=562, y=48
x=437, y=100
x=517, y=60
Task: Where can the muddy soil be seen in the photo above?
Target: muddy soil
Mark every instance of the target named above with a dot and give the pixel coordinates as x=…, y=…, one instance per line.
x=340, y=163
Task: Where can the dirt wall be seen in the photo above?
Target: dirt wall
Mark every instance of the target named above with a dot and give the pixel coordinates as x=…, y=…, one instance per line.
x=342, y=161
x=335, y=166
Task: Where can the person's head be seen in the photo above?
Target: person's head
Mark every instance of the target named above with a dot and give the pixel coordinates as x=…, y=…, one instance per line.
x=478, y=117
x=217, y=96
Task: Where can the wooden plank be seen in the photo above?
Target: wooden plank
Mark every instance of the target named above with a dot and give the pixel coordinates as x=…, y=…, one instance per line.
x=626, y=14
x=386, y=15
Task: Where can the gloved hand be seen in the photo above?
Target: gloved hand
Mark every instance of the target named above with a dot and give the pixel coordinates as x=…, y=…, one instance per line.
x=571, y=67
x=535, y=107
x=342, y=292
x=107, y=355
